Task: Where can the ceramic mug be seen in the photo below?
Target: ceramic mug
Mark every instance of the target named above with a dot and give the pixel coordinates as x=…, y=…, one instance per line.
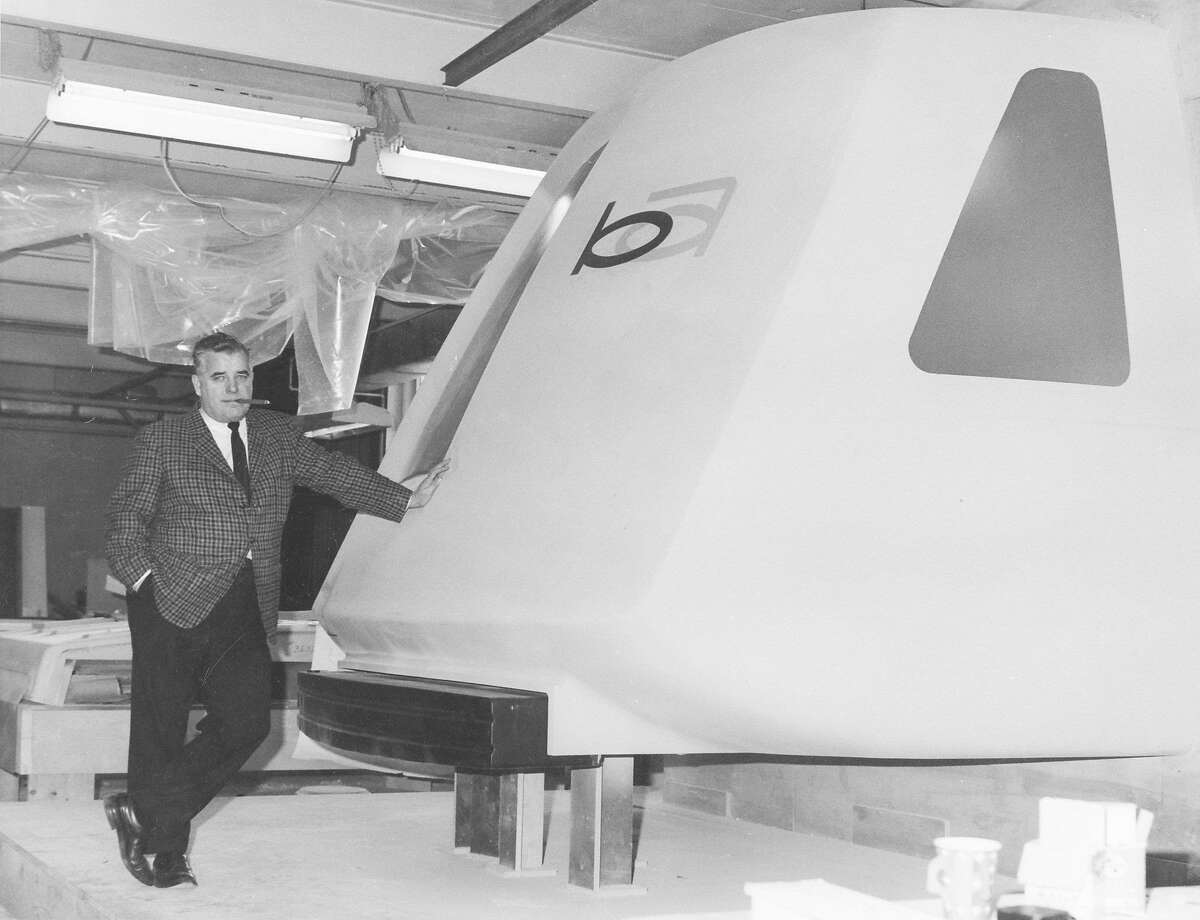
x=963, y=874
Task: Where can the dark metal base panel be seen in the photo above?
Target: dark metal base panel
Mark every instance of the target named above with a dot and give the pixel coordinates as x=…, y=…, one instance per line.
x=427, y=721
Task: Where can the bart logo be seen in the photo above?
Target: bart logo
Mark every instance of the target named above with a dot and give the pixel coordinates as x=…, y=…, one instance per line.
x=689, y=220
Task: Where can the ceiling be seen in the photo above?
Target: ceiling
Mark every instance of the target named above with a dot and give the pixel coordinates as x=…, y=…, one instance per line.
x=525, y=106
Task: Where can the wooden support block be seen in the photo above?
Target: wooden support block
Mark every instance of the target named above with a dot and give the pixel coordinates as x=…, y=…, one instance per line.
x=522, y=814
x=60, y=787
x=602, y=825
x=485, y=823
x=464, y=795
x=477, y=812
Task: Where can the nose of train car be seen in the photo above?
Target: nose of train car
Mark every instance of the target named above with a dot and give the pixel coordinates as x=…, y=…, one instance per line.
x=834, y=396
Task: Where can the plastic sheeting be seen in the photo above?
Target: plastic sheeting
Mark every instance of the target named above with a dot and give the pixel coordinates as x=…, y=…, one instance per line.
x=166, y=271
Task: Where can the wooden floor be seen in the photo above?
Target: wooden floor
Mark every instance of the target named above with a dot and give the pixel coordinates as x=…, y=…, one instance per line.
x=387, y=856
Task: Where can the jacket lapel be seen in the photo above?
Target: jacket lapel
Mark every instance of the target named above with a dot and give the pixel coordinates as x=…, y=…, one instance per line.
x=261, y=450
x=206, y=446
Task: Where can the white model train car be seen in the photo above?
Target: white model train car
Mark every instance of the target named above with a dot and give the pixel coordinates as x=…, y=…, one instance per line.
x=837, y=395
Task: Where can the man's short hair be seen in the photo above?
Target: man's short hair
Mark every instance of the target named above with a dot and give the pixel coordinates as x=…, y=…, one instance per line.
x=221, y=342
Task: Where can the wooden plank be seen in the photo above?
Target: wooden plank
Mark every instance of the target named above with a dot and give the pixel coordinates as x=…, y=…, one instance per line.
x=95, y=739
x=60, y=787
x=33, y=889
x=485, y=816
x=464, y=797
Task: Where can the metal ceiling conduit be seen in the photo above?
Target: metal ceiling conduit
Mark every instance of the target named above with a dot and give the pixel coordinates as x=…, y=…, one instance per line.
x=512, y=36
x=82, y=407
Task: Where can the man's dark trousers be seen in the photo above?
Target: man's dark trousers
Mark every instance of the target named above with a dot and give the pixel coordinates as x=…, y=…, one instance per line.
x=224, y=663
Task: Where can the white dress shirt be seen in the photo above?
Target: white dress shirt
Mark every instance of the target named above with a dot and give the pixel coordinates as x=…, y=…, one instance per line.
x=224, y=437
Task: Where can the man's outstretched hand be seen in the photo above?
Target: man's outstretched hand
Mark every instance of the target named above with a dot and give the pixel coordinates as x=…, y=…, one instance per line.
x=428, y=485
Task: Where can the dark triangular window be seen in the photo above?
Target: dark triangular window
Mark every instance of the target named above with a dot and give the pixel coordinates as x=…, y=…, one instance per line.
x=1030, y=283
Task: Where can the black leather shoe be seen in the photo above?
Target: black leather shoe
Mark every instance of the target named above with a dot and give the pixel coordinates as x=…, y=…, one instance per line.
x=172, y=868
x=129, y=836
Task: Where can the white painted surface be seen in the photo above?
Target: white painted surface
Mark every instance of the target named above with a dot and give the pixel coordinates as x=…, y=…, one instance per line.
x=709, y=503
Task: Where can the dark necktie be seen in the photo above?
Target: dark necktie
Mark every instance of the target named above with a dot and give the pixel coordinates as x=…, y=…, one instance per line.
x=240, y=468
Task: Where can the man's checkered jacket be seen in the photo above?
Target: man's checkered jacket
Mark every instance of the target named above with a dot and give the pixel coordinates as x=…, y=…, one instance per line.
x=180, y=513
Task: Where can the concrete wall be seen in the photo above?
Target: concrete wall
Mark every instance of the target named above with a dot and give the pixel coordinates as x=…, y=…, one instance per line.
x=903, y=807
x=71, y=475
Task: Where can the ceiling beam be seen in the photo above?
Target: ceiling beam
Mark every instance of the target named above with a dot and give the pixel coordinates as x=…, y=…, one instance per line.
x=512, y=36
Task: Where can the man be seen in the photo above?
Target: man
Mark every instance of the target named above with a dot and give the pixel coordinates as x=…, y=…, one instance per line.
x=194, y=531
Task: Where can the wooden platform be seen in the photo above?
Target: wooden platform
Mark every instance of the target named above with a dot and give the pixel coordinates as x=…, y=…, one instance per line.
x=383, y=856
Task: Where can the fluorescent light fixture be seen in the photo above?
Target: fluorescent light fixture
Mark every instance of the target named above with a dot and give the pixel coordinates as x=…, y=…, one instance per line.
x=418, y=166
x=359, y=418
x=163, y=105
